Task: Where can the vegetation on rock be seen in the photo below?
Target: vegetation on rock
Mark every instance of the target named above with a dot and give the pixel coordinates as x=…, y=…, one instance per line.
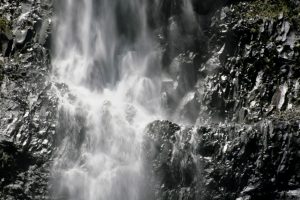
x=5, y=25
x=271, y=9
x=268, y=8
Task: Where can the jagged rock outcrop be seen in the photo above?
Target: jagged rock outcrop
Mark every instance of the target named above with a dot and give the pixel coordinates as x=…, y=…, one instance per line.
x=253, y=69
x=223, y=61
x=239, y=63
x=242, y=79
x=27, y=110
x=260, y=161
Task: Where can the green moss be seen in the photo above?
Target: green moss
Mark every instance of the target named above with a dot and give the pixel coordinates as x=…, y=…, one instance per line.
x=5, y=25
x=268, y=8
x=253, y=30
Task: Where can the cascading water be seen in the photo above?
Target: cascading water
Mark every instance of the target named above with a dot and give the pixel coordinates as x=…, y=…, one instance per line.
x=103, y=53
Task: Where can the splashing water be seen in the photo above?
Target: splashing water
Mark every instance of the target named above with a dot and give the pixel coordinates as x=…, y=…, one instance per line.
x=103, y=53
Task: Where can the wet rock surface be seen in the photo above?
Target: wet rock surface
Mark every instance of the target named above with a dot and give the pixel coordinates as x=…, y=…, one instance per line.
x=240, y=63
x=260, y=161
x=255, y=61
x=233, y=68
x=27, y=110
x=243, y=77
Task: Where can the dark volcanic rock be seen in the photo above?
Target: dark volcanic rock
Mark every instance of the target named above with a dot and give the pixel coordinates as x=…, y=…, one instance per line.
x=253, y=68
x=27, y=100
x=22, y=175
x=245, y=73
x=239, y=64
x=225, y=162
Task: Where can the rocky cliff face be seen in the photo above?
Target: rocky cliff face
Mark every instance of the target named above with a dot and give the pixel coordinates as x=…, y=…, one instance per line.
x=260, y=161
x=230, y=67
x=27, y=114
x=255, y=57
x=242, y=68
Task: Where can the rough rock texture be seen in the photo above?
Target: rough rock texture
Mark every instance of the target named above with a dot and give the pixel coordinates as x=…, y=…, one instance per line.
x=27, y=110
x=260, y=161
x=230, y=66
x=239, y=63
x=253, y=70
x=240, y=66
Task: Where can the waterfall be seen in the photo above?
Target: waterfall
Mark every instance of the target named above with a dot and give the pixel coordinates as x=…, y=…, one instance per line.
x=107, y=68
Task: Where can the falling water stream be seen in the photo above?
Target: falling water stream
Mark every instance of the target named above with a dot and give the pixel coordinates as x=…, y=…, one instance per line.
x=108, y=69
x=103, y=53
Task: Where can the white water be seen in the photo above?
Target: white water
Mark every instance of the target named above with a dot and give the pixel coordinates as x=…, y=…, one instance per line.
x=110, y=65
